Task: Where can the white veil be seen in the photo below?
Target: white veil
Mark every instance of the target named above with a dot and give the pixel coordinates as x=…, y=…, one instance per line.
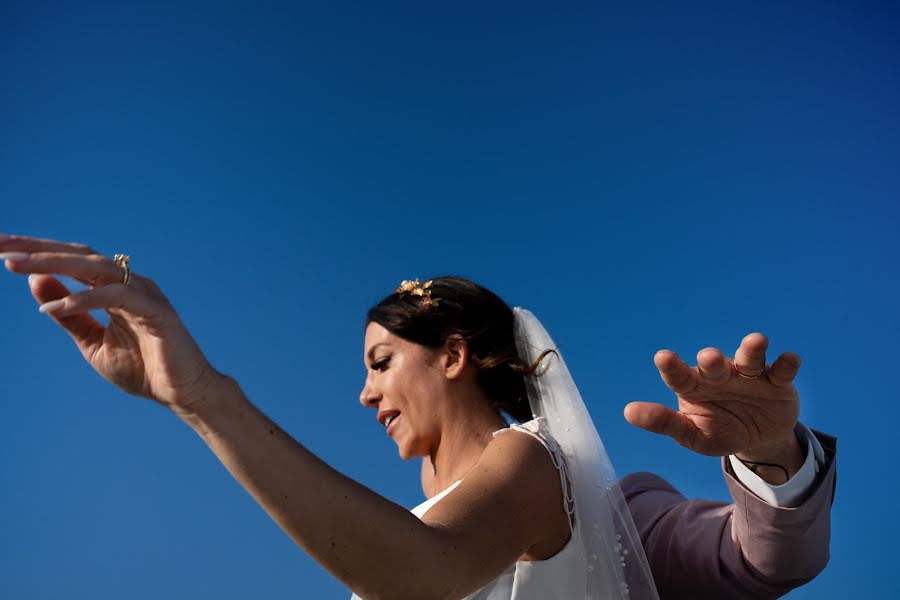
x=615, y=566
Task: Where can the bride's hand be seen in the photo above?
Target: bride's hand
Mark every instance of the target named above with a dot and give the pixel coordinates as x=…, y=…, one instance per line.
x=719, y=411
x=145, y=349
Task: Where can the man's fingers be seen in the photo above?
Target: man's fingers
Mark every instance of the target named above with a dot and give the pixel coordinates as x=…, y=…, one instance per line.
x=83, y=328
x=675, y=373
x=750, y=358
x=784, y=369
x=660, y=419
x=713, y=366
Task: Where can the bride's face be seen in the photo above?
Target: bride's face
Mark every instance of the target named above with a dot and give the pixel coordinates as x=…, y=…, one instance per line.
x=406, y=384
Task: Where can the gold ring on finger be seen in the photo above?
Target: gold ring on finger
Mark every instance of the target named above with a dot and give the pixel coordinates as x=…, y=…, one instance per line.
x=122, y=261
x=738, y=371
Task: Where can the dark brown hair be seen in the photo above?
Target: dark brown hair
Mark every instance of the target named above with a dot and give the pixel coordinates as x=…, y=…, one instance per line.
x=482, y=318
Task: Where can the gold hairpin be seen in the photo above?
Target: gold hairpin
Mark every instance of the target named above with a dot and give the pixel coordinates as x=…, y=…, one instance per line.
x=422, y=290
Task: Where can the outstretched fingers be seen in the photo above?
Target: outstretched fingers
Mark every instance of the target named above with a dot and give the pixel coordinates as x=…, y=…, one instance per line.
x=750, y=357
x=784, y=369
x=675, y=373
x=713, y=366
x=85, y=330
x=21, y=243
x=89, y=269
x=662, y=420
x=113, y=298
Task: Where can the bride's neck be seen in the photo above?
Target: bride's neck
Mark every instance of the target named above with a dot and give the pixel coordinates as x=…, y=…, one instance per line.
x=462, y=443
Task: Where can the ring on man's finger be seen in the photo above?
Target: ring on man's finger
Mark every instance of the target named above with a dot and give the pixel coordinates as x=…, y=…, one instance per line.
x=738, y=371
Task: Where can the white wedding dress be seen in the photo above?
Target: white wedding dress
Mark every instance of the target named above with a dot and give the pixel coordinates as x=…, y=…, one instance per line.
x=559, y=577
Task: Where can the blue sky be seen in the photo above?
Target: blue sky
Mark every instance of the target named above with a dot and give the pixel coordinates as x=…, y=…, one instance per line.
x=641, y=177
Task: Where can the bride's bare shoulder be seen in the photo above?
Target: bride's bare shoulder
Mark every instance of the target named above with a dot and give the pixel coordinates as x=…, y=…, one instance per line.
x=522, y=456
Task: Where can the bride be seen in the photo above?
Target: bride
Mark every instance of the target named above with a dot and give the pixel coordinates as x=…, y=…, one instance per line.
x=522, y=511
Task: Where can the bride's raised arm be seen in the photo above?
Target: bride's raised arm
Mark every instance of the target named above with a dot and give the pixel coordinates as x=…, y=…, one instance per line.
x=377, y=548
x=374, y=546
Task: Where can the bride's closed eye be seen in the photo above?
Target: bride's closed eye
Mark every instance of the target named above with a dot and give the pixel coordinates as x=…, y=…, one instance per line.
x=381, y=364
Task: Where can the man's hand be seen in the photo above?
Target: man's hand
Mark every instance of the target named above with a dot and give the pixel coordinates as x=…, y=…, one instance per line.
x=721, y=412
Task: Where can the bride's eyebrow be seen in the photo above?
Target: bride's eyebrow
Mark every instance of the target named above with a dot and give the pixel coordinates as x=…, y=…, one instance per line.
x=371, y=353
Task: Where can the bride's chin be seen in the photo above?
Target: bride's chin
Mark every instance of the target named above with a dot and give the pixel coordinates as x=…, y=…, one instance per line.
x=407, y=452
x=404, y=453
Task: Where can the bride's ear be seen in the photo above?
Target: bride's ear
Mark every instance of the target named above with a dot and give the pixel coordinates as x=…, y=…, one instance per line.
x=456, y=356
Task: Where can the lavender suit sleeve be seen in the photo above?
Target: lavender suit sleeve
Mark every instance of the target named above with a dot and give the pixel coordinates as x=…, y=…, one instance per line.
x=747, y=549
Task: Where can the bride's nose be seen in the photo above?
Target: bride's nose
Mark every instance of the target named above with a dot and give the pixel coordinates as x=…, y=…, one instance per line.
x=369, y=396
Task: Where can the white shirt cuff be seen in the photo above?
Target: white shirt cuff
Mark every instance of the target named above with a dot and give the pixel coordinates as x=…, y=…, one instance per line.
x=792, y=491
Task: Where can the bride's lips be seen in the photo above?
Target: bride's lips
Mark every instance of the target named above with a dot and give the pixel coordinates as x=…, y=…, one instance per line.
x=390, y=429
